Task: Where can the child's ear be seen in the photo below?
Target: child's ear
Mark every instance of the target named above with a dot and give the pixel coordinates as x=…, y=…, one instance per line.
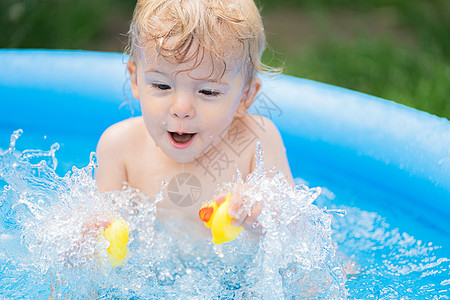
x=131, y=67
x=248, y=96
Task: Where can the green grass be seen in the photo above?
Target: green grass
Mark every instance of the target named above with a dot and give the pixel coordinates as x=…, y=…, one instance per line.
x=407, y=60
x=63, y=24
x=375, y=67
x=394, y=49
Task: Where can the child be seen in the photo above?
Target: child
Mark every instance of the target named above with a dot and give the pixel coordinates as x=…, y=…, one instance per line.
x=193, y=67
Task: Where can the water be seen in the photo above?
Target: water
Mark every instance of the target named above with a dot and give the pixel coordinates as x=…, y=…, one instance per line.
x=51, y=243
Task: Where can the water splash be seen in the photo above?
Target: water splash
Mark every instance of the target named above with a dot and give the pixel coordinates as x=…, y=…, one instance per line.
x=52, y=244
x=296, y=255
x=389, y=264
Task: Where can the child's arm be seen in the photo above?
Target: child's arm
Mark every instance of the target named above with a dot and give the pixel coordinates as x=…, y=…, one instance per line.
x=111, y=171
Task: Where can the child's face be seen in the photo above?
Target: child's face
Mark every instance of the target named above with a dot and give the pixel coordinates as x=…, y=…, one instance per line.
x=187, y=112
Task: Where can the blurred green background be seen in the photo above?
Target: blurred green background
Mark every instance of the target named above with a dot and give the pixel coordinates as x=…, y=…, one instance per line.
x=394, y=49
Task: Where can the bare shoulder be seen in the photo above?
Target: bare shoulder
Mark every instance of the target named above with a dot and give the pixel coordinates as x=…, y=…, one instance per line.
x=264, y=129
x=271, y=142
x=121, y=135
x=115, y=146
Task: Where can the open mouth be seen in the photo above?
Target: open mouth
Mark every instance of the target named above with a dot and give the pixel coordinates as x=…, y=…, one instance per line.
x=181, y=140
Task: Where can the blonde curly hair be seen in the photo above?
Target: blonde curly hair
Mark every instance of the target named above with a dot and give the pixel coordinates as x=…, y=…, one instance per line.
x=187, y=30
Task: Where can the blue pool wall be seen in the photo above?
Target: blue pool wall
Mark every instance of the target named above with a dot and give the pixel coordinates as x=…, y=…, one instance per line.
x=332, y=135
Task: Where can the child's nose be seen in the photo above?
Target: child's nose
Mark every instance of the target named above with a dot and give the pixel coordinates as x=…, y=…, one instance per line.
x=182, y=107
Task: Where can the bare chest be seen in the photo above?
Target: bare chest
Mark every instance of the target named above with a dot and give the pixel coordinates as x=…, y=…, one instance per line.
x=188, y=185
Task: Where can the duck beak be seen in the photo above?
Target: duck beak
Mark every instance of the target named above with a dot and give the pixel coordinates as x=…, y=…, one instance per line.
x=205, y=213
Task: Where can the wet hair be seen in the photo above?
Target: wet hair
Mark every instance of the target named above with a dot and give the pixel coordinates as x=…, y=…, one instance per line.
x=187, y=30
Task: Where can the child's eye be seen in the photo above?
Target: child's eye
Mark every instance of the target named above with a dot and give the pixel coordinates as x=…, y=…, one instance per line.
x=161, y=86
x=209, y=93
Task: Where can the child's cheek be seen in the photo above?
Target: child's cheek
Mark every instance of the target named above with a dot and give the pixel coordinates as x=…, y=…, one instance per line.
x=225, y=122
x=152, y=114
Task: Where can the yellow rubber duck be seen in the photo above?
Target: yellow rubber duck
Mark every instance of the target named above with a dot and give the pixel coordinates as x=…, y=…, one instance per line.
x=216, y=217
x=117, y=234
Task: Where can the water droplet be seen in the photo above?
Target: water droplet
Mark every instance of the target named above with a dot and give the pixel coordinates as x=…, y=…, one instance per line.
x=14, y=137
x=55, y=147
x=338, y=212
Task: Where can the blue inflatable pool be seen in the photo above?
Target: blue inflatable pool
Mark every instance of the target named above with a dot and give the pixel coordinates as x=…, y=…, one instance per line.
x=369, y=152
x=327, y=130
